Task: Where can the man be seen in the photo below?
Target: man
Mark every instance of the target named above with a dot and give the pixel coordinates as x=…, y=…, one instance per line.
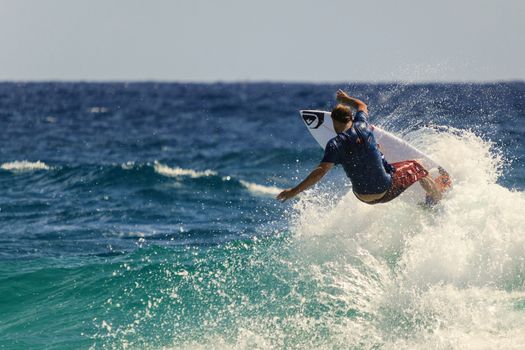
x=373, y=179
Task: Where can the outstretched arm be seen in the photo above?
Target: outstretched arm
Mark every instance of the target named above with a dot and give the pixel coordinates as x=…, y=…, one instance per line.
x=314, y=177
x=359, y=105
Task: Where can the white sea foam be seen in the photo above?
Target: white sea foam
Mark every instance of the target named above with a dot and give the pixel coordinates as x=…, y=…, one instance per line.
x=448, y=278
x=456, y=271
x=392, y=276
x=128, y=165
x=179, y=172
x=261, y=189
x=24, y=165
x=96, y=110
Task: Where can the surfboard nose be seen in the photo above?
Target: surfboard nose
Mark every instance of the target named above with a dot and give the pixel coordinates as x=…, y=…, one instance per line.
x=312, y=119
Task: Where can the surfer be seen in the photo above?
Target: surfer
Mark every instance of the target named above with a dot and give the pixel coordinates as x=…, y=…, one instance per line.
x=373, y=179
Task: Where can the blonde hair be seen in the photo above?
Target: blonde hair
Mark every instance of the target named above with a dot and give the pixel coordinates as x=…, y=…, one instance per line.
x=342, y=113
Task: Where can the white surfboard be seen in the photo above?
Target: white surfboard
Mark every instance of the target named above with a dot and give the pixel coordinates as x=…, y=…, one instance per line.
x=320, y=125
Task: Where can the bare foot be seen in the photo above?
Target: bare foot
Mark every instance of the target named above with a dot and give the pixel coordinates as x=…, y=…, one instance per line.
x=431, y=188
x=436, y=187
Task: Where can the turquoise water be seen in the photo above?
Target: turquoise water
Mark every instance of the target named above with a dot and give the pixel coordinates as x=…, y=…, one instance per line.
x=142, y=216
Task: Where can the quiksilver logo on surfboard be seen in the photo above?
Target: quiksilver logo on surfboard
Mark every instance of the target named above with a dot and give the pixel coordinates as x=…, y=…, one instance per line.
x=313, y=119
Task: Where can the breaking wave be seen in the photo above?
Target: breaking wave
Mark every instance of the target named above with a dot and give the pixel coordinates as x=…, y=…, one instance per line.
x=176, y=172
x=24, y=165
x=451, y=277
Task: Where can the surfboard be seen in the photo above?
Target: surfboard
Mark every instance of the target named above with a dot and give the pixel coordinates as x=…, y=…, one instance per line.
x=395, y=149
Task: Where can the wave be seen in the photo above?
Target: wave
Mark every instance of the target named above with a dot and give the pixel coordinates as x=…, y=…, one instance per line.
x=142, y=178
x=254, y=188
x=387, y=276
x=261, y=189
x=177, y=172
x=453, y=274
x=143, y=175
x=24, y=165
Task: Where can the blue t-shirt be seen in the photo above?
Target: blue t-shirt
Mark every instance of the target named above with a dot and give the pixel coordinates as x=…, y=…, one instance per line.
x=356, y=150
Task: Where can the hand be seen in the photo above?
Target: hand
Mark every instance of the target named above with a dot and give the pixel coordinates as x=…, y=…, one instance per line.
x=286, y=194
x=341, y=95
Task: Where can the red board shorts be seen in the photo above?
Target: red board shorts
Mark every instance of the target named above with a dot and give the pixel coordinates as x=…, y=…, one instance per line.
x=406, y=174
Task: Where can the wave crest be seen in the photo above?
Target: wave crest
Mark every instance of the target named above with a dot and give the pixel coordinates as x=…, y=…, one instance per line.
x=260, y=189
x=24, y=165
x=178, y=172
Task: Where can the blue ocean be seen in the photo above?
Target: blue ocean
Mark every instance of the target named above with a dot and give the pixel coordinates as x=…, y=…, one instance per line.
x=143, y=216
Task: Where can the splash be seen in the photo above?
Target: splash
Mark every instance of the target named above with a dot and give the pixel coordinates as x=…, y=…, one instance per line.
x=457, y=272
x=387, y=276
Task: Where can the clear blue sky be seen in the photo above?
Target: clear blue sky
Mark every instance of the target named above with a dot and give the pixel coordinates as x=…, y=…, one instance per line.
x=277, y=40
